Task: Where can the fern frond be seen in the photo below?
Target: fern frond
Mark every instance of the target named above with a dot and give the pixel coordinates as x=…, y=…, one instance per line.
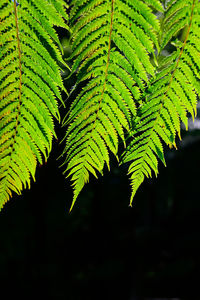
x=30, y=81
x=112, y=40
x=171, y=95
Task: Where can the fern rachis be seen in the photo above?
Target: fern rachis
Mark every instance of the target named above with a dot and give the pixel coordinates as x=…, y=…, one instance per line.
x=170, y=95
x=108, y=58
x=29, y=80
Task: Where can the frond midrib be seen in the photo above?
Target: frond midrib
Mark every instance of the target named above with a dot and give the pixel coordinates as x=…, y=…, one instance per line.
x=159, y=111
x=174, y=71
x=20, y=83
x=103, y=89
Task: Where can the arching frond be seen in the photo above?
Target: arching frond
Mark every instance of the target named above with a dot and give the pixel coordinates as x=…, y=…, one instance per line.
x=30, y=81
x=171, y=94
x=112, y=43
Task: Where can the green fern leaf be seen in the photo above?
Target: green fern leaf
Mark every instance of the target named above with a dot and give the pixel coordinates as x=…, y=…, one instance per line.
x=112, y=40
x=30, y=81
x=170, y=95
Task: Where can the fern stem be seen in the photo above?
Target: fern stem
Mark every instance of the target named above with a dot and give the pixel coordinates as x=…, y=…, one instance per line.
x=109, y=47
x=176, y=66
x=20, y=92
x=20, y=78
x=108, y=59
x=166, y=92
x=104, y=84
x=183, y=47
x=20, y=69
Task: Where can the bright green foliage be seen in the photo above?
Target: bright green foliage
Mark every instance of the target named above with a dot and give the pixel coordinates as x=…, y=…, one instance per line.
x=137, y=68
x=171, y=94
x=112, y=41
x=29, y=84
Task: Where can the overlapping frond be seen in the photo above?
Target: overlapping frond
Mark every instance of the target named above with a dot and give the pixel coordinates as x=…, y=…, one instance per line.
x=112, y=43
x=171, y=95
x=30, y=81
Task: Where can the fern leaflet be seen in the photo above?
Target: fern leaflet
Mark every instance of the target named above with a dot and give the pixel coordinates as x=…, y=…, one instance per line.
x=112, y=40
x=170, y=95
x=30, y=81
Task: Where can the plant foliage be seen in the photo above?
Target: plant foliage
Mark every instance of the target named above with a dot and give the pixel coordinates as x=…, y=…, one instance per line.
x=30, y=81
x=171, y=94
x=111, y=46
x=137, y=69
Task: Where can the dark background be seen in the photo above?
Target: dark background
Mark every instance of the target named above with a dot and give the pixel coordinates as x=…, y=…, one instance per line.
x=105, y=249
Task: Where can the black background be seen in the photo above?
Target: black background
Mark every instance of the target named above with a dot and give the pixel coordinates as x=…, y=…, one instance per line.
x=104, y=249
